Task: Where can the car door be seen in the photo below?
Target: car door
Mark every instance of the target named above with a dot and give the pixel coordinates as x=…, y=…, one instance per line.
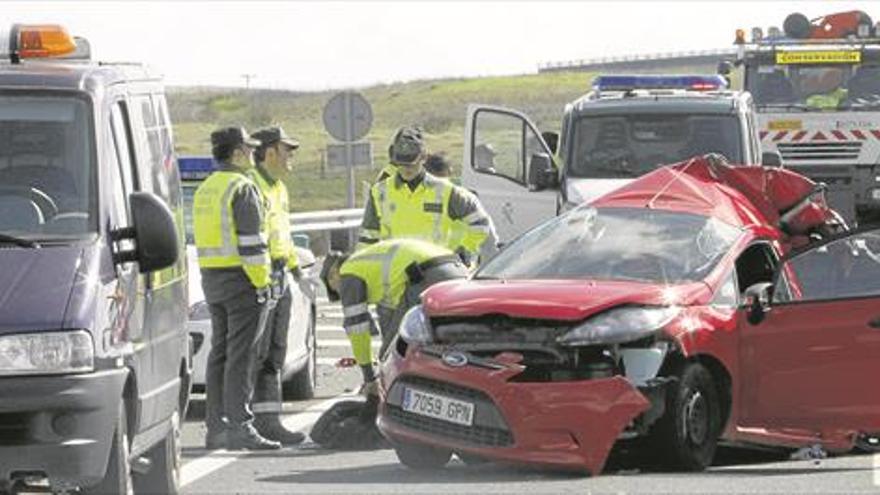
x=500, y=145
x=813, y=362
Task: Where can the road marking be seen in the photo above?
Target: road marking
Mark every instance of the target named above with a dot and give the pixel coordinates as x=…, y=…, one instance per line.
x=341, y=343
x=202, y=466
x=329, y=328
x=876, y=469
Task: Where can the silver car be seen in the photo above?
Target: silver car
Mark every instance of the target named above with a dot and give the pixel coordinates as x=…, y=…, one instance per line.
x=298, y=376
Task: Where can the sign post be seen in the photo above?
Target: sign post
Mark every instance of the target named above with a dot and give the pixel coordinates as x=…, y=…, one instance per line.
x=348, y=118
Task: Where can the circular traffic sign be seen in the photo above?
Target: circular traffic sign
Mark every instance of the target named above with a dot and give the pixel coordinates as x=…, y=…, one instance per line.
x=348, y=116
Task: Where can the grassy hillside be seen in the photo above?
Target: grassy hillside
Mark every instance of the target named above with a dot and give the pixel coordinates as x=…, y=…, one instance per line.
x=438, y=106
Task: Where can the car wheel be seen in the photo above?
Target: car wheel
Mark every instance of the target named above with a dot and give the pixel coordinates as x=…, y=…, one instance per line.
x=422, y=457
x=687, y=434
x=164, y=473
x=117, y=478
x=301, y=385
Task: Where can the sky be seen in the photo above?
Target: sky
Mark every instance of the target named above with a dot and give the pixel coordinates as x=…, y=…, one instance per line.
x=312, y=45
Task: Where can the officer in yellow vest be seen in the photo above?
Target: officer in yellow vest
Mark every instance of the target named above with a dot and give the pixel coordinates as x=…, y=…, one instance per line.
x=414, y=204
x=229, y=229
x=825, y=89
x=391, y=274
x=272, y=166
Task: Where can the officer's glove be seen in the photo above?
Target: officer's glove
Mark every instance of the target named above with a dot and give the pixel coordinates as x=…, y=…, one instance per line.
x=264, y=294
x=466, y=257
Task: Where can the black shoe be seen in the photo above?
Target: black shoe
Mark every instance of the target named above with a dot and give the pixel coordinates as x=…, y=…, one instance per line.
x=272, y=429
x=215, y=440
x=247, y=438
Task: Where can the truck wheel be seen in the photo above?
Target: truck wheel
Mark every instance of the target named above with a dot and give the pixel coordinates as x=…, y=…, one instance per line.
x=422, y=457
x=164, y=474
x=687, y=435
x=117, y=479
x=301, y=385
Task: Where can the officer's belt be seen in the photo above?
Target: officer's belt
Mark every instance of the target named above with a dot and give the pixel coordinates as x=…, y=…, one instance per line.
x=415, y=271
x=279, y=264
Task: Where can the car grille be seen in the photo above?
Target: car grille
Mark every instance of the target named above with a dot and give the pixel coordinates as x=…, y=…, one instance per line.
x=817, y=152
x=476, y=435
x=14, y=429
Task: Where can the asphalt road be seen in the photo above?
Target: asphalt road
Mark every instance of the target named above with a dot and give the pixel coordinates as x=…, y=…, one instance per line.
x=308, y=469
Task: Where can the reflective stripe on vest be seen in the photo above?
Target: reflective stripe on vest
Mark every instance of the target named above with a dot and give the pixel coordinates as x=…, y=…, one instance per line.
x=382, y=267
x=277, y=216
x=213, y=202
x=419, y=214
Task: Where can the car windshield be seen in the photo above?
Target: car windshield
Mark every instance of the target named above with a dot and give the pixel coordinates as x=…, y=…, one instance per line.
x=800, y=88
x=616, y=244
x=48, y=186
x=623, y=146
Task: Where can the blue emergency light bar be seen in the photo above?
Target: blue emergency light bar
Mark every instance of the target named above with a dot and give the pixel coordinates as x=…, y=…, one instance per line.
x=630, y=83
x=195, y=167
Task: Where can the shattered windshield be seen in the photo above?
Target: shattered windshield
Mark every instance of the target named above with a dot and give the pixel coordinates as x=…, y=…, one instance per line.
x=815, y=87
x=626, y=146
x=616, y=244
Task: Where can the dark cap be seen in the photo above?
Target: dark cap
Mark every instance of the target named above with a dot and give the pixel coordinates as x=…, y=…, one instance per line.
x=232, y=136
x=407, y=146
x=271, y=135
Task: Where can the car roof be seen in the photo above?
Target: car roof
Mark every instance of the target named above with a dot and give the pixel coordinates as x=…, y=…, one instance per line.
x=71, y=75
x=674, y=101
x=690, y=186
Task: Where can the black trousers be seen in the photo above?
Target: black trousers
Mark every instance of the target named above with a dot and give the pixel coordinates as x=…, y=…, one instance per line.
x=271, y=356
x=235, y=335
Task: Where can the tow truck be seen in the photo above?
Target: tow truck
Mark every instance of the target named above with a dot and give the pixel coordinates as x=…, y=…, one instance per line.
x=816, y=86
x=625, y=127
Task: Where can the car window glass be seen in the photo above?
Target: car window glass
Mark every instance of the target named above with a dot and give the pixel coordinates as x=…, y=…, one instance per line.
x=845, y=268
x=727, y=293
x=499, y=145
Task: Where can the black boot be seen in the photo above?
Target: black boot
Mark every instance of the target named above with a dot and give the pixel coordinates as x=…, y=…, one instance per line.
x=246, y=438
x=269, y=426
x=215, y=440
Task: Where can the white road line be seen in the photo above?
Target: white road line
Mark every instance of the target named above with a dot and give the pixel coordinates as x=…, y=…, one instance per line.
x=329, y=328
x=876, y=469
x=200, y=467
x=341, y=343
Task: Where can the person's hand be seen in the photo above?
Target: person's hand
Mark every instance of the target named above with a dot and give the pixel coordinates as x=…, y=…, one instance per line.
x=264, y=294
x=370, y=389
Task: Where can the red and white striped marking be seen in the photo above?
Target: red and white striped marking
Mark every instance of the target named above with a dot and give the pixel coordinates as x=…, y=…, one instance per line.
x=827, y=135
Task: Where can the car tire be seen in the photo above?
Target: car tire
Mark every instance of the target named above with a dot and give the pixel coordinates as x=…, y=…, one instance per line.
x=301, y=386
x=117, y=478
x=422, y=457
x=687, y=435
x=165, y=458
x=868, y=443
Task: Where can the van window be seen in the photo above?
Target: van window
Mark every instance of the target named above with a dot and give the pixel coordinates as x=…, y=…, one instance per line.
x=155, y=154
x=627, y=146
x=49, y=185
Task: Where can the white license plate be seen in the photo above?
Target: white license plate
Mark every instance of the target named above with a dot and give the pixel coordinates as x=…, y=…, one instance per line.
x=438, y=406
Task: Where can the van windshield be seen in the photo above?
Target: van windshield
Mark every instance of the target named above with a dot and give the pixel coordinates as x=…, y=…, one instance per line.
x=626, y=146
x=47, y=175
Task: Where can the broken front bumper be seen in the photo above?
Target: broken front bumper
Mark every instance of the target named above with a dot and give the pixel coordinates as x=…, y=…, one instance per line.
x=564, y=424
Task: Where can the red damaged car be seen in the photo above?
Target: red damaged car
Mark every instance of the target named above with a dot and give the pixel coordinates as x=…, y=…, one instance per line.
x=700, y=303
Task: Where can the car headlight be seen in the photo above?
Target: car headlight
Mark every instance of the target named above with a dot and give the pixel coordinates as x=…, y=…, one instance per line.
x=47, y=353
x=415, y=327
x=199, y=311
x=619, y=325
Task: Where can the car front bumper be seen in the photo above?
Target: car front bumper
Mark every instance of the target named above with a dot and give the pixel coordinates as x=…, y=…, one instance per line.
x=568, y=425
x=60, y=427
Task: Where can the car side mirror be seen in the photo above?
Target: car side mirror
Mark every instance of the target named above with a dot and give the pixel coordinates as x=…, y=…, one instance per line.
x=542, y=173
x=757, y=301
x=771, y=159
x=552, y=140
x=153, y=232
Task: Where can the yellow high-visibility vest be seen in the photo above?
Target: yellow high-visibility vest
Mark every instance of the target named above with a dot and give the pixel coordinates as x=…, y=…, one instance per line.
x=277, y=219
x=420, y=214
x=382, y=267
x=217, y=242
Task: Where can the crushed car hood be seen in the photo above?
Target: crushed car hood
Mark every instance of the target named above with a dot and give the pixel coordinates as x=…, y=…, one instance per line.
x=566, y=300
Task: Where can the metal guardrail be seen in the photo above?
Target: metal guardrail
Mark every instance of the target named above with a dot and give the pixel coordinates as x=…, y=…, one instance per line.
x=643, y=57
x=326, y=220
